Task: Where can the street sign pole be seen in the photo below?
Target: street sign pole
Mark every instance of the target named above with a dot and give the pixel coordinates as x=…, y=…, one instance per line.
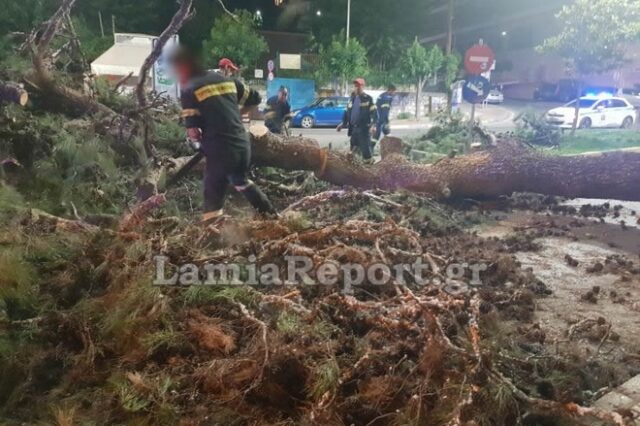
x=478, y=62
x=471, y=125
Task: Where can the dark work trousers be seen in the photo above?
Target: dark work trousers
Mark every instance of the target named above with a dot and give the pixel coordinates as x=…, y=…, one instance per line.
x=361, y=140
x=382, y=127
x=226, y=166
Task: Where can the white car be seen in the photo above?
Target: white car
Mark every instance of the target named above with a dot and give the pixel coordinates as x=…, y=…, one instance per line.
x=495, y=97
x=594, y=112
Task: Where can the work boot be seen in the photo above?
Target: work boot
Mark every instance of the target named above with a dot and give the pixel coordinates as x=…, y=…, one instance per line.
x=259, y=201
x=214, y=218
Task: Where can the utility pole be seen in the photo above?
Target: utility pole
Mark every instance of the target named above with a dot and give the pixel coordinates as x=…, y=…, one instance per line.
x=348, y=20
x=450, y=27
x=101, y=24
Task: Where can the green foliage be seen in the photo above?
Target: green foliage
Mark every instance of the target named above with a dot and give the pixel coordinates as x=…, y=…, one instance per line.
x=11, y=203
x=167, y=339
x=449, y=134
x=597, y=140
x=237, y=40
x=105, y=94
x=17, y=278
x=342, y=60
x=594, y=34
x=326, y=378
x=81, y=169
x=171, y=138
x=382, y=79
x=451, y=69
x=385, y=52
x=62, y=163
x=289, y=324
x=419, y=64
x=129, y=397
x=534, y=129
x=23, y=15
x=202, y=295
x=26, y=137
x=91, y=41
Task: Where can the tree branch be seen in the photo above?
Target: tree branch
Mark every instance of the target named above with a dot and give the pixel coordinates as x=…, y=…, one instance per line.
x=183, y=14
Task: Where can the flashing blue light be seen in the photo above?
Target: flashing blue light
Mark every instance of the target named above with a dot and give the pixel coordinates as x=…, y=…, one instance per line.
x=600, y=95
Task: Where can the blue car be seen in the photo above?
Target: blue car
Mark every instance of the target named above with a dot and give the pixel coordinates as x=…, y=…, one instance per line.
x=322, y=112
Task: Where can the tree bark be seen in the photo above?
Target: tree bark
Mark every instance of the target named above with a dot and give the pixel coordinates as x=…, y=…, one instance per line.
x=419, y=85
x=506, y=168
x=13, y=93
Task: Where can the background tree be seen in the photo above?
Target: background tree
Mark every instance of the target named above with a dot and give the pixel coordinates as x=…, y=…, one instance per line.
x=236, y=39
x=420, y=64
x=450, y=71
x=23, y=15
x=344, y=61
x=594, y=36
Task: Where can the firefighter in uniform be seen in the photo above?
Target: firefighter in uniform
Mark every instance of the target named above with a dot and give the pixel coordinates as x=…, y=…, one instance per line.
x=211, y=106
x=278, y=108
x=360, y=117
x=384, y=107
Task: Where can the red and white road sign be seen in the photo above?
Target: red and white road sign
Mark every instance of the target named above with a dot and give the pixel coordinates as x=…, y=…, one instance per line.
x=479, y=59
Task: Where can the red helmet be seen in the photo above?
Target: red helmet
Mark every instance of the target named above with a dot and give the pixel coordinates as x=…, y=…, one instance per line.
x=227, y=63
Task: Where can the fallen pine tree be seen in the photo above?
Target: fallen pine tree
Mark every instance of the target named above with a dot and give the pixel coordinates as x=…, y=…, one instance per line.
x=94, y=339
x=506, y=167
x=502, y=169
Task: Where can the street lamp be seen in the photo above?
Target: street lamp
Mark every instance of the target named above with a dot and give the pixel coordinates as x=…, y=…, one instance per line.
x=258, y=12
x=318, y=12
x=504, y=34
x=348, y=20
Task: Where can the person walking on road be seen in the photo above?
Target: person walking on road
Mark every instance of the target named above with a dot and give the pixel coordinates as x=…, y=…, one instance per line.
x=383, y=104
x=211, y=109
x=360, y=117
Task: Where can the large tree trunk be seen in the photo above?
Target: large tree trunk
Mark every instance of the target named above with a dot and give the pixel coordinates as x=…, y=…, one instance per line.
x=509, y=167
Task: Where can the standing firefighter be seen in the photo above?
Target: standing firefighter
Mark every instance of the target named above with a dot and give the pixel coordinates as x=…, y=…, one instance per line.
x=360, y=116
x=211, y=106
x=384, y=108
x=278, y=108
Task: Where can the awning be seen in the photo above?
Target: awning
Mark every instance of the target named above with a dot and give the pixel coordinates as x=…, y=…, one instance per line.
x=126, y=56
